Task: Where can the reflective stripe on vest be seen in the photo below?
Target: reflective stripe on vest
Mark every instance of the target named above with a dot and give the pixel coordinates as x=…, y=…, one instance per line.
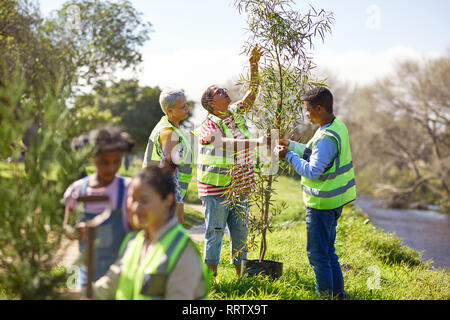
x=152, y=155
x=336, y=186
x=147, y=279
x=215, y=164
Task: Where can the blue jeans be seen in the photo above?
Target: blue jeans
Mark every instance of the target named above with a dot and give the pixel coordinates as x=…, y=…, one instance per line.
x=321, y=235
x=217, y=216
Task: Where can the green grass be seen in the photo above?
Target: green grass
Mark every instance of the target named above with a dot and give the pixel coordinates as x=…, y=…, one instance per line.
x=192, y=194
x=192, y=217
x=288, y=190
x=8, y=170
x=365, y=253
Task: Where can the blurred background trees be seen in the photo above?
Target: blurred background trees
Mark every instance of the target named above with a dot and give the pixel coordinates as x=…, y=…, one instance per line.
x=133, y=107
x=399, y=130
x=42, y=60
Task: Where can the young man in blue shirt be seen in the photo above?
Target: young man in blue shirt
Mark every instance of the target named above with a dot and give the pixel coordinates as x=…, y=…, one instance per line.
x=328, y=183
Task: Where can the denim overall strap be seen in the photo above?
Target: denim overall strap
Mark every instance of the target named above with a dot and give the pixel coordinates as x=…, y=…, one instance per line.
x=84, y=187
x=108, y=236
x=120, y=193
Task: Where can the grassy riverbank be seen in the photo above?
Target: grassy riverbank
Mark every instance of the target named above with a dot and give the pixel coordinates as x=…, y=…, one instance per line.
x=375, y=264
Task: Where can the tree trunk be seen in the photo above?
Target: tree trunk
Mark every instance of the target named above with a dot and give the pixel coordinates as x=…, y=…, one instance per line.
x=267, y=195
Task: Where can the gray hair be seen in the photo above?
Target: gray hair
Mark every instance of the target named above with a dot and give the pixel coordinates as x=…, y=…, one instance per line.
x=169, y=97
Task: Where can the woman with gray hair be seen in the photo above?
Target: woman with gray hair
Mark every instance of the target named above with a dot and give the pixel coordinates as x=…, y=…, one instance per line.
x=168, y=147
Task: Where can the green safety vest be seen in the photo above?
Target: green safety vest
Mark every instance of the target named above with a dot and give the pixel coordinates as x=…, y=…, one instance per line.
x=214, y=164
x=147, y=279
x=153, y=156
x=336, y=186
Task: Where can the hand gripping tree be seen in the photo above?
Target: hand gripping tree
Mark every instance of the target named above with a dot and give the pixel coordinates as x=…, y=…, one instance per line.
x=285, y=35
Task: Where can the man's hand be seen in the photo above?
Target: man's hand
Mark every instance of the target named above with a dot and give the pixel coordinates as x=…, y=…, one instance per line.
x=284, y=142
x=255, y=55
x=250, y=96
x=281, y=151
x=264, y=140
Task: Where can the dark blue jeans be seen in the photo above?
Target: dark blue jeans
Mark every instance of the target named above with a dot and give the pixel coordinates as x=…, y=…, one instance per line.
x=321, y=234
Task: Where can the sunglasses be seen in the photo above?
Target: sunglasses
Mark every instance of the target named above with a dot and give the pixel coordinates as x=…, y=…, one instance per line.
x=219, y=91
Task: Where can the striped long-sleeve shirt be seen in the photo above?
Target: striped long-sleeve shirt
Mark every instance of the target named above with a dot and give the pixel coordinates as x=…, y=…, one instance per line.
x=243, y=170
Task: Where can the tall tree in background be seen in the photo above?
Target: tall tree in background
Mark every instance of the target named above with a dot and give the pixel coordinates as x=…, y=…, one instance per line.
x=404, y=120
x=86, y=38
x=84, y=41
x=98, y=37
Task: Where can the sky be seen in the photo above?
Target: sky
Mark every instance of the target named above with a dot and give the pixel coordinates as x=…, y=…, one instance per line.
x=197, y=43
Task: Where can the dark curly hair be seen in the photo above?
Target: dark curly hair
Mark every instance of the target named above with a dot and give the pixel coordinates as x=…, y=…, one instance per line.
x=160, y=179
x=108, y=139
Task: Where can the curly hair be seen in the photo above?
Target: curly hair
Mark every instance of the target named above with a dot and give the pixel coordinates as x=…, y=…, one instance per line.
x=108, y=139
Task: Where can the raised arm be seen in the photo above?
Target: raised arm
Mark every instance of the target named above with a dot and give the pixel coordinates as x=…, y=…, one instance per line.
x=250, y=96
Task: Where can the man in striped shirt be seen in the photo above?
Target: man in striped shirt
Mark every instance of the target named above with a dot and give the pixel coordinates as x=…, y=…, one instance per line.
x=243, y=174
x=225, y=129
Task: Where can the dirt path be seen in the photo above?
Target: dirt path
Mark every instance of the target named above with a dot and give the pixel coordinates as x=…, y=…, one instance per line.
x=197, y=233
x=68, y=252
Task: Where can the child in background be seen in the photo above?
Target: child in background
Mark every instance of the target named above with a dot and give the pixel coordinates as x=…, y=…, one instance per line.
x=109, y=147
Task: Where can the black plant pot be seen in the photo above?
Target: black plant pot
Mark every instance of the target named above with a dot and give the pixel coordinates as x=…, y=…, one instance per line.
x=270, y=268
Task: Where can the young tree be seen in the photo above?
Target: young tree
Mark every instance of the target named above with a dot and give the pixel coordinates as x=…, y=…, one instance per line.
x=31, y=214
x=286, y=36
x=40, y=62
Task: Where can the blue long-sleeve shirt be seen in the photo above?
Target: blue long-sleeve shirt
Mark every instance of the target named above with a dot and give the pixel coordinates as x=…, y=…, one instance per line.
x=320, y=160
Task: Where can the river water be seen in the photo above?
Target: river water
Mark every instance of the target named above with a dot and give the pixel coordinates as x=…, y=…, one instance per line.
x=419, y=229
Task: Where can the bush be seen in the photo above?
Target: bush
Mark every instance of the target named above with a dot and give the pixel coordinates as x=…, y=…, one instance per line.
x=32, y=212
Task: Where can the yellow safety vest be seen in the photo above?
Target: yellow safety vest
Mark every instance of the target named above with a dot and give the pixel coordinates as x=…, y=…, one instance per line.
x=147, y=280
